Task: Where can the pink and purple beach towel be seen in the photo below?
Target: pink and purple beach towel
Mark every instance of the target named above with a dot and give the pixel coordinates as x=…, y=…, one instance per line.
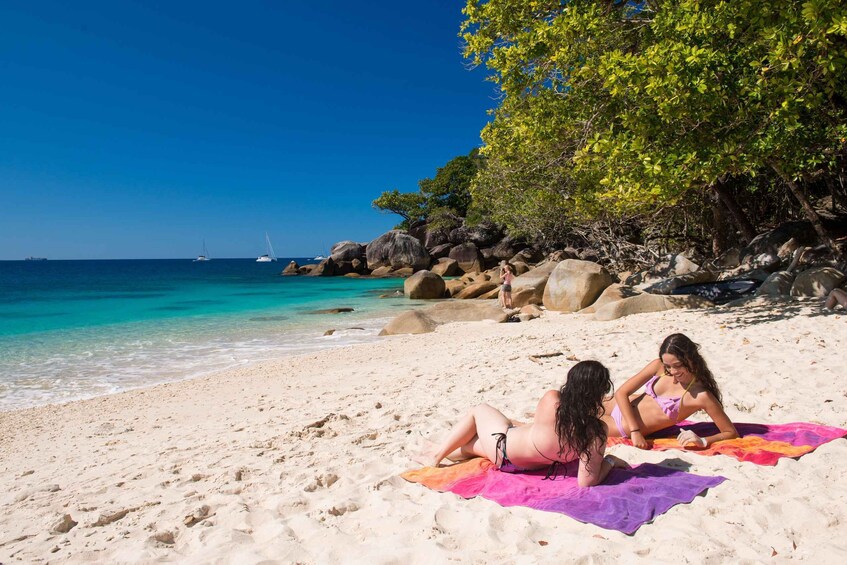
x=629, y=497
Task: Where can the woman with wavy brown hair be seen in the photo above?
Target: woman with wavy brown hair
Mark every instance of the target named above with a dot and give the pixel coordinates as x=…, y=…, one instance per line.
x=566, y=427
x=676, y=385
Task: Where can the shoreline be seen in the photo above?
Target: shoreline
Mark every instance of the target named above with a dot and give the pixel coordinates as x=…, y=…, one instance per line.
x=298, y=459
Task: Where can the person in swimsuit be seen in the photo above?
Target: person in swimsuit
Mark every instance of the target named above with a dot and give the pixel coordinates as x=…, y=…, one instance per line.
x=676, y=385
x=566, y=427
x=506, y=276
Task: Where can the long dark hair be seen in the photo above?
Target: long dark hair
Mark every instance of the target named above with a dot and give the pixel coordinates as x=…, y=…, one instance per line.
x=578, y=421
x=688, y=353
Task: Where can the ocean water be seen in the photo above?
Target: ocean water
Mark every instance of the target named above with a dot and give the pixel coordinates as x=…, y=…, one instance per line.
x=77, y=329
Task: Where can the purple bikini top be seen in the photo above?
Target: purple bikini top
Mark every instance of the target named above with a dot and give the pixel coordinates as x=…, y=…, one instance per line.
x=670, y=406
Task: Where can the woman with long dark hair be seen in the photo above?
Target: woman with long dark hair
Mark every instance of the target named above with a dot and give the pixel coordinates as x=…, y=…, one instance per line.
x=676, y=385
x=566, y=427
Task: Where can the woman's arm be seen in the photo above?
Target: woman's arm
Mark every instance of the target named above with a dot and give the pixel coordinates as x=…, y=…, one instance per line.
x=622, y=400
x=596, y=468
x=726, y=429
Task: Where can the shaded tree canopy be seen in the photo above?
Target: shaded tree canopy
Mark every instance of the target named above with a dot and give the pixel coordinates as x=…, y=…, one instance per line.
x=625, y=107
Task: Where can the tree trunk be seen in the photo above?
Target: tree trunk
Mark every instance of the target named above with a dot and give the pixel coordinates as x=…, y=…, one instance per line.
x=838, y=200
x=720, y=237
x=809, y=211
x=748, y=232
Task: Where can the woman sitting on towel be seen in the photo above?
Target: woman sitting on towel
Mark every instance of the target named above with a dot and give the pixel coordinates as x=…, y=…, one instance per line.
x=566, y=427
x=676, y=385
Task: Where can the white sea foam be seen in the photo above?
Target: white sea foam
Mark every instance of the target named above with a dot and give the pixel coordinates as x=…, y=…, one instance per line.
x=79, y=364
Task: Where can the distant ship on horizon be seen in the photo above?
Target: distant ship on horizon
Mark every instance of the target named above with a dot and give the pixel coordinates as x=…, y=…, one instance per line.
x=35, y=259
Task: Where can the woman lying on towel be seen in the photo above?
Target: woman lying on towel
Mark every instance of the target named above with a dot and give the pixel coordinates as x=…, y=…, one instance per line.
x=676, y=385
x=567, y=426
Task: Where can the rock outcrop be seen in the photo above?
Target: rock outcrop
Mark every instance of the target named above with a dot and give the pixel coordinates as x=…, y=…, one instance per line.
x=612, y=293
x=397, y=250
x=411, y=322
x=426, y=320
x=468, y=256
x=818, y=281
x=528, y=288
x=648, y=303
x=447, y=267
x=347, y=251
x=424, y=285
x=574, y=284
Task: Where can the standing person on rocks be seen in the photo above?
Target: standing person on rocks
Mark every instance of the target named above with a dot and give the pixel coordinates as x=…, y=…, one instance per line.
x=676, y=385
x=506, y=275
x=566, y=427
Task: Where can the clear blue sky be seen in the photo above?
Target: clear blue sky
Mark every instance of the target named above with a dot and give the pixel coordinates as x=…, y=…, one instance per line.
x=139, y=129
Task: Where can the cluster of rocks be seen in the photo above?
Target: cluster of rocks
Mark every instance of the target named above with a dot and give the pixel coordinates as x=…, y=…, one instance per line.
x=454, y=252
x=560, y=282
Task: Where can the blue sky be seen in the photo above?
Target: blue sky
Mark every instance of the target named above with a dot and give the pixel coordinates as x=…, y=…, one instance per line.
x=139, y=129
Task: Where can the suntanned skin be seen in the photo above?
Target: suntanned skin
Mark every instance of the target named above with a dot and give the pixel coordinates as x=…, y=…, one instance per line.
x=641, y=412
x=471, y=437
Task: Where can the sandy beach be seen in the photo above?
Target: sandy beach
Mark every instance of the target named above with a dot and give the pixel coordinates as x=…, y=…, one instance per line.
x=298, y=460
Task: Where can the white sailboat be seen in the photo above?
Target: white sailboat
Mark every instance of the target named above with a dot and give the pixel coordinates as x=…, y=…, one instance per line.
x=205, y=255
x=269, y=256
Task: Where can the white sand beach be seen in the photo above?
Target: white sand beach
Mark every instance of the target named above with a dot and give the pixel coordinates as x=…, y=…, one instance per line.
x=298, y=460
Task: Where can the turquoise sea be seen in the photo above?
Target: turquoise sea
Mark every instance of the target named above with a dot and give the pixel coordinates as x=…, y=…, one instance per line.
x=76, y=329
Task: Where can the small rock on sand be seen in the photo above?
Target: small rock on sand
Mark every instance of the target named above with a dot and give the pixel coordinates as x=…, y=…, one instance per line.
x=64, y=525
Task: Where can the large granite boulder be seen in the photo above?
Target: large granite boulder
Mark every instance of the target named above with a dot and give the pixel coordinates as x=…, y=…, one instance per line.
x=484, y=234
x=507, y=248
x=447, y=267
x=612, y=293
x=458, y=236
x=777, y=284
x=326, y=268
x=591, y=255
x=454, y=286
x=466, y=311
x=528, y=255
x=667, y=286
x=291, y=269
x=563, y=254
x=574, y=284
x=477, y=289
x=520, y=268
x=417, y=229
x=818, y=281
x=424, y=284
x=436, y=237
x=645, y=302
x=468, y=256
x=771, y=241
x=397, y=250
x=729, y=259
x=769, y=262
x=347, y=251
x=411, y=322
x=440, y=251
x=384, y=271
x=491, y=294
x=669, y=266
x=528, y=288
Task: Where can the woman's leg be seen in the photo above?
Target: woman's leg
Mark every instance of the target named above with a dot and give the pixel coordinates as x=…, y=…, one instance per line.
x=507, y=299
x=472, y=434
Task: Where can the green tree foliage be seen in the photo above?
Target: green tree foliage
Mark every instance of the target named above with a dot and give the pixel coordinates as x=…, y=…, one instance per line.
x=407, y=205
x=445, y=197
x=629, y=106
